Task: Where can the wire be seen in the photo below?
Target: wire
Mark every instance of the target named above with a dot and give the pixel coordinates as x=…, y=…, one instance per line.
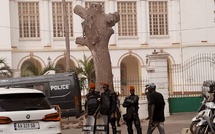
x=186, y=29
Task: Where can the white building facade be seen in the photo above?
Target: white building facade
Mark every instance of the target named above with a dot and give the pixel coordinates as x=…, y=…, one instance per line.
x=32, y=31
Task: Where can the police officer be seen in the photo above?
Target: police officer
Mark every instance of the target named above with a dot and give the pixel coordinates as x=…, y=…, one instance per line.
x=108, y=106
x=92, y=101
x=131, y=104
x=118, y=110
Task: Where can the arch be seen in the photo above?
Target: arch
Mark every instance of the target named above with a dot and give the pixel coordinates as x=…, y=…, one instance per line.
x=30, y=57
x=130, y=74
x=170, y=59
x=60, y=61
x=31, y=67
x=73, y=59
x=130, y=53
x=170, y=62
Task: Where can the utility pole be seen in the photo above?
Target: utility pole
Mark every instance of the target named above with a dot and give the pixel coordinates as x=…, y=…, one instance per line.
x=66, y=32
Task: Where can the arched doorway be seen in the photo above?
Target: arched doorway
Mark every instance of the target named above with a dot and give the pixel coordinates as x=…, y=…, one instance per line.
x=31, y=67
x=130, y=73
x=61, y=65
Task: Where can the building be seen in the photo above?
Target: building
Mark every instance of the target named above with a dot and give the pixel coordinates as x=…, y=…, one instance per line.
x=31, y=31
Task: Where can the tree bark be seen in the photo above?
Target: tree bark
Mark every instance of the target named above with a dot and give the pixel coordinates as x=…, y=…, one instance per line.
x=97, y=29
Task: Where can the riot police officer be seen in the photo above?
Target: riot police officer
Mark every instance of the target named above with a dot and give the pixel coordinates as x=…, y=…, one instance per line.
x=131, y=103
x=92, y=101
x=108, y=106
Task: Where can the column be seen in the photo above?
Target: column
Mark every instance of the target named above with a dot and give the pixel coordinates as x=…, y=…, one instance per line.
x=111, y=9
x=46, y=28
x=116, y=79
x=158, y=74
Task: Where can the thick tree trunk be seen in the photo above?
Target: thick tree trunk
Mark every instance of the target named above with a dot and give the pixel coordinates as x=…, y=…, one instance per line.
x=97, y=29
x=103, y=67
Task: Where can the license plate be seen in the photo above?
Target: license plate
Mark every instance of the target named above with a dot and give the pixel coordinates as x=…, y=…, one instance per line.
x=26, y=126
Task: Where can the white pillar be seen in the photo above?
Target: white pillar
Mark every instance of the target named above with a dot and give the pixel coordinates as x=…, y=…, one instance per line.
x=16, y=73
x=116, y=79
x=5, y=40
x=111, y=9
x=174, y=24
x=142, y=19
x=159, y=76
x=46, y=33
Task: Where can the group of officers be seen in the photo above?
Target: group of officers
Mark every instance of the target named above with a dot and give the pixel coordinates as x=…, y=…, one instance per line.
x=107, y=103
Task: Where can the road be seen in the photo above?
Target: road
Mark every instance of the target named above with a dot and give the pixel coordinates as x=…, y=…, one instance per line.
x=173, y=124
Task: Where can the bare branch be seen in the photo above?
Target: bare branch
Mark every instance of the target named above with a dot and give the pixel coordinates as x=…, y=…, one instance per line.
x=80, y=11
x=112, y=18
x=81, y=41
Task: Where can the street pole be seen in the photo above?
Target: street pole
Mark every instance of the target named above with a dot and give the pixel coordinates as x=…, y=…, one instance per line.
x=66, y=32
x=181, y=49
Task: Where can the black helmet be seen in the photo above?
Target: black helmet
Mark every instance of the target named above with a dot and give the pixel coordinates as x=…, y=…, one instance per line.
x=151, y=86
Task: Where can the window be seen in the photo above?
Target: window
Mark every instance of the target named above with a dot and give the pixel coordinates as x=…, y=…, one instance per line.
x=58, y=19
x=158, y=18
x=87, y=4
x=29, y=26
x=23, y=101
x=127, y=26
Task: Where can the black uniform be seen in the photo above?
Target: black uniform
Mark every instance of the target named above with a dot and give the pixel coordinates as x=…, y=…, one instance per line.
x=108, y=107
x=118, y=113
x=92, y=102
x=131, y=104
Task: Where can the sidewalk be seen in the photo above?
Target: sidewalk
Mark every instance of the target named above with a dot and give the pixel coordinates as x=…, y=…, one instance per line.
x=174, y=124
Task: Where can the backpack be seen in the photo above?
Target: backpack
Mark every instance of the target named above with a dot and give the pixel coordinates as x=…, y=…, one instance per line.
x=106, y=105
x=92, y=104
x=105, y=101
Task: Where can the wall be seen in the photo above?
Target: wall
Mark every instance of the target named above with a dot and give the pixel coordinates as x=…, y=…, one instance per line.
x=184, y=104
x=5, y=37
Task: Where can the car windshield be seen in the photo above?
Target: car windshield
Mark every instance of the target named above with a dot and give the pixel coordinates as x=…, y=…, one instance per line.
x=23, y=102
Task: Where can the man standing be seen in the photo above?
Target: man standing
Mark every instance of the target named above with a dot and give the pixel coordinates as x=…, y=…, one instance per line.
x=92, y=101
x=157, y=110
x=148, y=101
x=118, y=110
x=91, y=108
x=131, y=103
x=108, y=106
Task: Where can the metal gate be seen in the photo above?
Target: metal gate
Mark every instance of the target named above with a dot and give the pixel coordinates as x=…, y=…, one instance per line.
x=185, y=81
x=187, y=78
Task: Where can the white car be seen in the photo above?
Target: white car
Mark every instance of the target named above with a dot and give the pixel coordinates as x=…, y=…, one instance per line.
x=27, y=111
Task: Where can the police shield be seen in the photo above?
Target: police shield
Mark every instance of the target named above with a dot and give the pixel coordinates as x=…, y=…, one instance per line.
x=88, y=125
x=101, y=125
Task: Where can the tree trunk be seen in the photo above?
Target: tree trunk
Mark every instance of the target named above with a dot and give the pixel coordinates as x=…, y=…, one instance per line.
x=97, y=29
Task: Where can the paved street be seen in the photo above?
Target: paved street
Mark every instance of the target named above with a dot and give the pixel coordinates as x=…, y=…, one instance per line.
x=173, y=124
